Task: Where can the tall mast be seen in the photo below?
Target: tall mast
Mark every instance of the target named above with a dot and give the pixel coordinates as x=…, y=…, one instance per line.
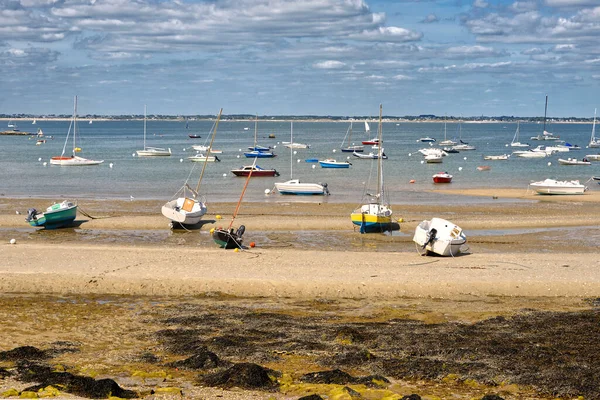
x=379, y=160
x=255, y=130
x=74, y=123
x=208, y=151
x=545, y=110
x=291, y=149
x=144, y=127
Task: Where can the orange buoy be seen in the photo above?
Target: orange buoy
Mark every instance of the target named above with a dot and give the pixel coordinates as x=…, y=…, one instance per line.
x=412, y=181
x=252, y=244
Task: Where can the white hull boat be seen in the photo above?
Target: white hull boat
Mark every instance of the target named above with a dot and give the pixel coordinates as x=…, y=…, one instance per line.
x=552, y=186
x=153, y=152
x=434, y=159
x=440, y=237
x=74, y=161
x=203, y=158
x=530, y=154
x=498, y=157
x=574, y=161
x=593, y=157
x=294, y=186
x=186, y=211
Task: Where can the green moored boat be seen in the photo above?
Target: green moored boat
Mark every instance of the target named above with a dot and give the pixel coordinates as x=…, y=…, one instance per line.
x=56, y=216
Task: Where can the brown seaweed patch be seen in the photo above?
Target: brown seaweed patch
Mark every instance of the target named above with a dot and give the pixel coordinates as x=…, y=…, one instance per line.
x=243, y=375
x=24, y=353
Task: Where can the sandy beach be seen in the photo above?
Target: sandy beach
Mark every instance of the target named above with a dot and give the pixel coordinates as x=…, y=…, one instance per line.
x=536, y=253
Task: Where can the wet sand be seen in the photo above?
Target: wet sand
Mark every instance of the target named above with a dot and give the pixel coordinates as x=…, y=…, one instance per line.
x=537, y=254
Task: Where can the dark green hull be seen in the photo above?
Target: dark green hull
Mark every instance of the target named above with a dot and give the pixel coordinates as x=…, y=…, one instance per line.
x=59, y=218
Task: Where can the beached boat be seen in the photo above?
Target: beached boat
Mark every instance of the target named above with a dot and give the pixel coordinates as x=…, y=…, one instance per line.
x=294, y=186
x=56, y=216
x=232, y=238
x=151, y=151
x=574, y=161
x=552, y=186
x=187, y=207
x=515, y=142
x=593, y=141
x=332, y=163
x=545, y=135
x=442, y=177
x=376, y=215
x=497, y=157
x=439, y=236
x=73, y=160
x=350, y=147
x=255, y=170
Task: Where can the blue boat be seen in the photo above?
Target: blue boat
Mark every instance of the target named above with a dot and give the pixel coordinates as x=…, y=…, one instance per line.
x=55, y=216
x=259, y=154
x=331, y=163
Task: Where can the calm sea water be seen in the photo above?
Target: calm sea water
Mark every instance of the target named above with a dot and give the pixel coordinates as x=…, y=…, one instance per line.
x=23, y=172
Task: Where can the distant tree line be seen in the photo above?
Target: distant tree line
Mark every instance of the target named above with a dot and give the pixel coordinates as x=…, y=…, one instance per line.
x=248, y=117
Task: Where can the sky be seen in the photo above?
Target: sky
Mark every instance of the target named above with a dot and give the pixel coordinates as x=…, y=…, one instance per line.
x=300, y=57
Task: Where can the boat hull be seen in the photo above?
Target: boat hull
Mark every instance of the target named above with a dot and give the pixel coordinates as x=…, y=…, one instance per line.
x=440, y=237
x=53, y=219
x=73, y=161
x=175, y=210
x=263, y=172
x=326, y=164
x=259, y=154
x=228, y=239
x=153, y=152
x=352, y=149
x=552, y=187
x=442, y=178
x=295, y=187
x=372, y=218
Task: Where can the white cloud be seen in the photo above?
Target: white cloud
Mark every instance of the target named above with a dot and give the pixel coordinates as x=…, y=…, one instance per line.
x=401, y=77
x=480, y=4
x=571, y=3
x=330, y=64
x=388, y=34
x=429, y=19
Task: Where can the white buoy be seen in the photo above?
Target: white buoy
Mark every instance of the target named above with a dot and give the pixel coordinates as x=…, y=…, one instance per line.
x=422, y=162
x=40, y=159
x=132, y=154
x=313, y=166
x=267, y=191
x=549, y=163
x=334, y=150
x=181, y=160
x=13, y=241
x=298, y=160
x=295, y=152
x=460, y=168
x=45, y=163
x=275, y=146
x=239, y=150
x=347, y=157
x=224, y=175
x=410, y=154
x=131, y=198
x=184, y=149
x=506, y=145
x=465, y=158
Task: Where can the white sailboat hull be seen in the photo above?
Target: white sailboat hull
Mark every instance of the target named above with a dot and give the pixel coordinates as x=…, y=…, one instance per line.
x=153, y=152
x=174, y=210
x=73, y=161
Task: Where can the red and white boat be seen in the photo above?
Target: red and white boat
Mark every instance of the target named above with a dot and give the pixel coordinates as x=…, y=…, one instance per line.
x=256, y=171
x=371, y=142
x=442, y=177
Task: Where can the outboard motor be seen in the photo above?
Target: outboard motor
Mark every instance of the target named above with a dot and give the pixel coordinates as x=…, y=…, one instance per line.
x=325, y=188
x=276, y=173
x=430, y=237
x=240, y=231
x=217, y=159
x=31, y=213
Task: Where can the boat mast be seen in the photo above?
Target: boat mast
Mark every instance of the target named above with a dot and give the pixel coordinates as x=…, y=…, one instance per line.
x=291, y=149
x=208, y=151
x=594, y=128
x=545, y=110
x=74, y=123
x=255, y=130
x=237, y=207
x=379, y=160
x=144, y=127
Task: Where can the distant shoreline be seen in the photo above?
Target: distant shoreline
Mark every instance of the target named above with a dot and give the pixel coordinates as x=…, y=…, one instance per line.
x=371, y=120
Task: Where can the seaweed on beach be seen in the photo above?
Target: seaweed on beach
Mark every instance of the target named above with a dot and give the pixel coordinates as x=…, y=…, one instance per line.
x=243, y=375
x=24, y=353
x=83, y=386
x=554, y=352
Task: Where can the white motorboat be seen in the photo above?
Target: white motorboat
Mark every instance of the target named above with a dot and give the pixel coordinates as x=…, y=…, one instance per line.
x=371, y=155
x=530, y=154
x=440, y=237
x=463, y=147
x=552, y=186
x=574, y=161
x=434, y=159
x=497, y=157
x=426, y=139
x=203, y=158
x=593, y=157
x=433, y=151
